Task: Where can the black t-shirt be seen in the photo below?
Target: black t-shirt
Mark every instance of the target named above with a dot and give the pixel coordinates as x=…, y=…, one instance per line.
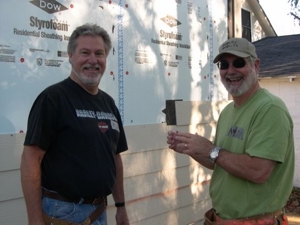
x=81, y=133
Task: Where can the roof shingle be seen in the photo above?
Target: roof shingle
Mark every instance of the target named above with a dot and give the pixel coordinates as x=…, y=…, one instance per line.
x=279, y=56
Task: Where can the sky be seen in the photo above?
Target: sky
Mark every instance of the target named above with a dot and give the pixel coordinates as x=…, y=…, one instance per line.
x=277, y=12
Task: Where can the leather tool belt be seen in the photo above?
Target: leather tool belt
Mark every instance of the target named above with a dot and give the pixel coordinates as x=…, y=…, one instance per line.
x=57, y=196
x=102, y=202
x=277, y=217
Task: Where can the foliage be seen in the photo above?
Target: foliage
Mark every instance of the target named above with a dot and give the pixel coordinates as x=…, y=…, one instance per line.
x=294, y=2
x=295, y=10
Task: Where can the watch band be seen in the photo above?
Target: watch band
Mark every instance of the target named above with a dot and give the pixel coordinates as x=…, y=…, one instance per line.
x=120, y=204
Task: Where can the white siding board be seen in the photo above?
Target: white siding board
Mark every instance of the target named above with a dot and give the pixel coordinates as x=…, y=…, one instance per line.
x=11, y=146
x=146, y=137
x=149, y=184
x=194, y=112
x=193, y=212
x=163, y=205
x=194, y=193
x=13, y=212
x=178, y=216
x=10, y=187
x=159, y=183
x=289, y=92
x=149, y=161
x=152, y=161
x=153, y=206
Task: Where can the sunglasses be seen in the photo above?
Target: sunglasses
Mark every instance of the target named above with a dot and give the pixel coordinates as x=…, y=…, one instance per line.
x=238, y=63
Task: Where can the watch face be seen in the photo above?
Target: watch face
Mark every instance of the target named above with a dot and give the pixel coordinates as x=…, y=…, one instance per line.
x=214, y=154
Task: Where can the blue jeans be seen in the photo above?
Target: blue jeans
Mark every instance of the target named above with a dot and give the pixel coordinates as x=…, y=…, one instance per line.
x=69, y=211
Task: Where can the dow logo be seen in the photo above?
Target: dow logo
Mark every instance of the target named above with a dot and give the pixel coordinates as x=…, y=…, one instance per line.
x=39, y=61
x=170, y=21
x=49, y=6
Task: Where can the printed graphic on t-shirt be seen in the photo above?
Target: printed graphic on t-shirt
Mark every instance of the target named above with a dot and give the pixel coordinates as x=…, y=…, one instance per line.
x=102, y=116
x=236, y=132
x=92, y=114
x=115, y=126
x=103, y=126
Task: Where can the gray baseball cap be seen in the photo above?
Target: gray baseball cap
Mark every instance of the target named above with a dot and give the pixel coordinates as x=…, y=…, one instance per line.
x=240, y=47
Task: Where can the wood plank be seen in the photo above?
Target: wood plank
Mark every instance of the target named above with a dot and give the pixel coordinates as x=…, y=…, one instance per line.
x=13, y=212
x=152, y=161
x=11, y=146
x=146, y=137
x=166, y=181
x=195, y=112
x=289, y=92
x=10, y=185
x=167, y=208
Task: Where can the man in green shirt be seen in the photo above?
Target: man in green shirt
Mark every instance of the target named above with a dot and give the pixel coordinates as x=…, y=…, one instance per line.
x=253, y=152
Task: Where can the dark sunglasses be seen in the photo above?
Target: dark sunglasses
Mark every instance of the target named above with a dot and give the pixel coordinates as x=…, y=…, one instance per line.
x=238, y=63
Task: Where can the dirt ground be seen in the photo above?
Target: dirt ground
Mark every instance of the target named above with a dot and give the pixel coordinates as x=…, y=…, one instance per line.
x=293, y=204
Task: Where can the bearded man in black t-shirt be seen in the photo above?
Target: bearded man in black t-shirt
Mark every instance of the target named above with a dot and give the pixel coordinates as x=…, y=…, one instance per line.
x=71, y=159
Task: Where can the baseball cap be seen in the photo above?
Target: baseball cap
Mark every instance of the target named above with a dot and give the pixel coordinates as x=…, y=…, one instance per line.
x=240, y=47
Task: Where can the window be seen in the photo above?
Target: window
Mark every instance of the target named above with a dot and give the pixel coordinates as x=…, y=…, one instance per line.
x=246, y=25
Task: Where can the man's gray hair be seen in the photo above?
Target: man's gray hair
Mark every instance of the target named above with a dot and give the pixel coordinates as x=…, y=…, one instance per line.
x=89, y=29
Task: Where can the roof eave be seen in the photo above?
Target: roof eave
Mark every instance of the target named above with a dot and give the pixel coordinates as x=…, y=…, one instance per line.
x=262, y=17
x=289, y=78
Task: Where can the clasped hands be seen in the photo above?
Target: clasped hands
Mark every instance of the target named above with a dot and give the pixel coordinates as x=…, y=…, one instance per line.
x=190, y=144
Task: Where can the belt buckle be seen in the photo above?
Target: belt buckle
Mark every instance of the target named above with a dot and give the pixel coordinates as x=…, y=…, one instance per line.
x=81, y=201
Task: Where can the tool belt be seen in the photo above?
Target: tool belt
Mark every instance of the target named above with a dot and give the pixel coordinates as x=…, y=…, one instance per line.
x=57, y=196
x=278, y=217
x=102, y=202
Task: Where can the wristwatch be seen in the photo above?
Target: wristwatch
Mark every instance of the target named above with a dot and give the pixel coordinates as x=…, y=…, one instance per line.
x=214, y=153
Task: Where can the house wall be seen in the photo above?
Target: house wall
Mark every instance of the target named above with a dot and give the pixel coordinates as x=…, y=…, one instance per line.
x=289, y=92
x=161, y=187
x=257, y=31
x=160, y=50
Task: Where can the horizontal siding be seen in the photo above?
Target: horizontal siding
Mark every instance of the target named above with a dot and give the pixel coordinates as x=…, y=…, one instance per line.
x=13, y=212
x=146, y=137
x=289, y=92
x=145, y=185
x=10, y=187
x=11, y=146
x=152, y=161
x=160, y=185
x=177, y=207
x=194, y=112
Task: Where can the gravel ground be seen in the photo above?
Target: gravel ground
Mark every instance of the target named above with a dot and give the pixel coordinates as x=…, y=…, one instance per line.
x=293, y=204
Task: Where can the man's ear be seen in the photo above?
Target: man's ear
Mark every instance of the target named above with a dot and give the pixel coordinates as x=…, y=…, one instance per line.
x=70, y=58
x=257, y=64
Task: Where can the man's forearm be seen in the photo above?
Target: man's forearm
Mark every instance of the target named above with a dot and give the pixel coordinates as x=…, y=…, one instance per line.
x=118, y=190
x=31, y=185
x=118, y=193
x=204, y=162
